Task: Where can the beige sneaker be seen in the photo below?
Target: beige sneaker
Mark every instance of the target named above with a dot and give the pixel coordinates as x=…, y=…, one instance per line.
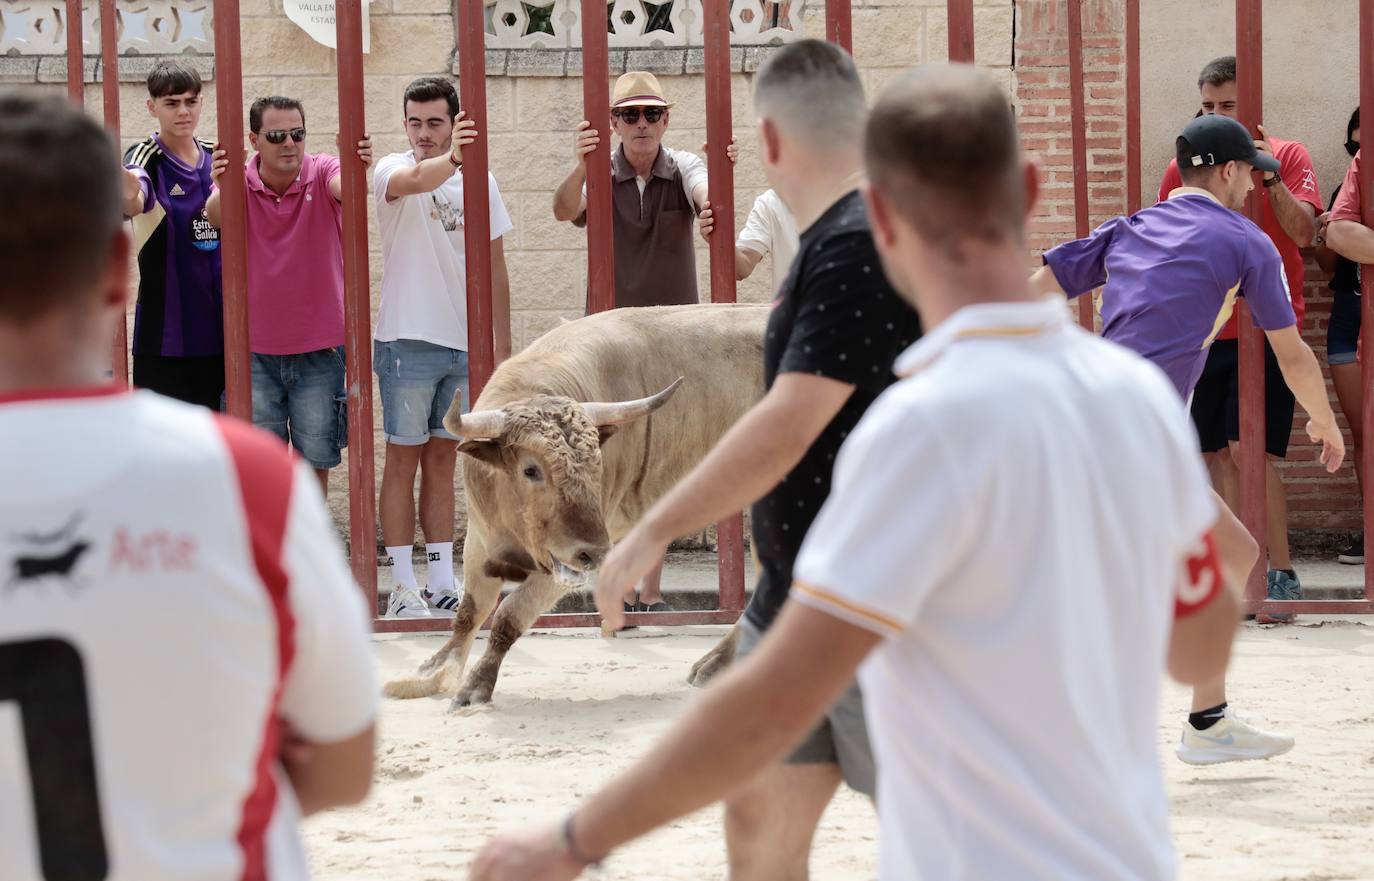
x=1232, y=739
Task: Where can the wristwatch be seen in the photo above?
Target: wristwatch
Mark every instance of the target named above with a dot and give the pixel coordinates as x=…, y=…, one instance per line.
x=1272, y=181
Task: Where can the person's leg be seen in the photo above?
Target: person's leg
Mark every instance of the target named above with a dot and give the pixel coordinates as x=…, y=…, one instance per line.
x=318, y=409
x=438, y=464
x=1346, y=379
x=651, y=588
x=769, y=824
x=1276, y=517
x=269, y=395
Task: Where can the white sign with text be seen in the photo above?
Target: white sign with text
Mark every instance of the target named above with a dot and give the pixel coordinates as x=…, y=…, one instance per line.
x=316, y=18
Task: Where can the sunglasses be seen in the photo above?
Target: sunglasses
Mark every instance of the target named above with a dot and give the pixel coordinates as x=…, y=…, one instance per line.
x=278, y=135
x=631, y=114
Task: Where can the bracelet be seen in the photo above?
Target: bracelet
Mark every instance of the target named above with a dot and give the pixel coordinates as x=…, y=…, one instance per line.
x=454, y=160
x=570, y=846
x=1272, y=182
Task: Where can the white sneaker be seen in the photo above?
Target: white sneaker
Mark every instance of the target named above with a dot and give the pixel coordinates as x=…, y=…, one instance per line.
x=1232, y=739
x=444, y=602
x=405, y=602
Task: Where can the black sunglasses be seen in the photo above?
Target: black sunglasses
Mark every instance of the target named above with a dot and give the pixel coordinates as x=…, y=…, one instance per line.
x=631, y=114
x=278, y=135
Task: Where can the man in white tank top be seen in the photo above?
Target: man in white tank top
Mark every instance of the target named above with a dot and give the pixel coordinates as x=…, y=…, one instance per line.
x=184, y=659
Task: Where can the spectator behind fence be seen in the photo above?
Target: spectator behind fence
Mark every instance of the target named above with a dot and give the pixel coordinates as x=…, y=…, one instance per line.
x=1343, y=337
x=295, y=282
x=181, y=638
x=769, y=230
x=1290, y=206
x=178, y=345
x=421, y=348
x=1350, y=229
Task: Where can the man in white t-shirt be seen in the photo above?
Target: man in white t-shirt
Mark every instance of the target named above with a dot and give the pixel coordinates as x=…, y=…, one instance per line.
x=983, y=660
x=421, y=341
x=185, y=667
x=769, y=230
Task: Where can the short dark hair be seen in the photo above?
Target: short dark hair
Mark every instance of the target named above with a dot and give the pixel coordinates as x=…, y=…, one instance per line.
x=172, y=77
x=1218, y=72
x=941, y=146
x=59, y=183
x=276, y=102
x=1353, y=124
x=432, y=88
x=813, y=88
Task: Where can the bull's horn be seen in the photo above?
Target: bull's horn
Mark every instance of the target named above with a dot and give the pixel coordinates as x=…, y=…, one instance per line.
x=481, y=425
x=625, y=411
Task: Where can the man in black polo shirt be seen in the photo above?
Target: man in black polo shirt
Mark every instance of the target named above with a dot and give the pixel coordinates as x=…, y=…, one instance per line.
x=836, y=328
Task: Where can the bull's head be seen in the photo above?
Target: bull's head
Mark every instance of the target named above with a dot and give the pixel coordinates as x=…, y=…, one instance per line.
x=545, y=458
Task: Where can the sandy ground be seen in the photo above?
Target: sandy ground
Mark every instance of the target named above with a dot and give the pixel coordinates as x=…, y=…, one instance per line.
x=571, y=709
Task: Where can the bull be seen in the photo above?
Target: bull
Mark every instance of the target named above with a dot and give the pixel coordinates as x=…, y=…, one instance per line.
x=563, y=458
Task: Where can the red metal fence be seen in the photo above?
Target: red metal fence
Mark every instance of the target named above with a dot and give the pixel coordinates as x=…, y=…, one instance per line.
x=601, y=272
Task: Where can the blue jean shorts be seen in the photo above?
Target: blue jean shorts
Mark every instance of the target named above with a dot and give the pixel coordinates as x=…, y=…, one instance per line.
x=1343, y=330
x=302, y=399
x=417, y=381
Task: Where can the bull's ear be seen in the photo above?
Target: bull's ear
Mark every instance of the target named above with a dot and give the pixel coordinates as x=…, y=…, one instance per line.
x=483, y=450
x=604, y=433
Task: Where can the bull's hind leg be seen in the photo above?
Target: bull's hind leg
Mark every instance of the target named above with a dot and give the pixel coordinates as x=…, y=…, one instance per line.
x=442, y=672
x=536, y=596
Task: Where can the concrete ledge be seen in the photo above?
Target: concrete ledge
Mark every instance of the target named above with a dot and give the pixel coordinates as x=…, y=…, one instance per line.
x=26, y=69
x=670, y=61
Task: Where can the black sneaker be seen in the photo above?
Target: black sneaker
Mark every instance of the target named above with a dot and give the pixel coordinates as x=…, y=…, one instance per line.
x=1354, y=554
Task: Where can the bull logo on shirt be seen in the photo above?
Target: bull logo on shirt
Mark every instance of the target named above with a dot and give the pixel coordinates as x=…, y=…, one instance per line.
x=48, y=555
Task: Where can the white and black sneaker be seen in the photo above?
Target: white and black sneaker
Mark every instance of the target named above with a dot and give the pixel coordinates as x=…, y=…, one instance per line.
x=405, y=602
x=1353, y=555
x=444, y=602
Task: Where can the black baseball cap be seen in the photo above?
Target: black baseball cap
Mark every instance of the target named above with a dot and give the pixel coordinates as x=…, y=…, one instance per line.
x=1216, y=140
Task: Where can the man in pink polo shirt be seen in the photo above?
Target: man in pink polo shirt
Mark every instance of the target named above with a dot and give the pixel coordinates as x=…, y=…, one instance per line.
x=295, y=282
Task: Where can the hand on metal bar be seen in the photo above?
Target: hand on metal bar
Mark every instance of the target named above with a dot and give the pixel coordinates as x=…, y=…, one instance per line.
x=364, y=148
x=731, y=150
x=585, y=141
x=464, y=133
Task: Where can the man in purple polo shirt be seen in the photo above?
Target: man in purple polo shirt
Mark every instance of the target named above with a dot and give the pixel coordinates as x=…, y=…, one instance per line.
x=178, y=346
x=1172, y=273
x=295, y=282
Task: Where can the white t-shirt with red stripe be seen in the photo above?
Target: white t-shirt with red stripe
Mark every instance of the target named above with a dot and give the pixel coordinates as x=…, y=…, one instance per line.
x=172, y=597
x=1012, y=517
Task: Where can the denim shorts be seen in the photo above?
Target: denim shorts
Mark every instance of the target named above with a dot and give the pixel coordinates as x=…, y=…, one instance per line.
x=417, y=381
x=301, y=398
x=1343, y=330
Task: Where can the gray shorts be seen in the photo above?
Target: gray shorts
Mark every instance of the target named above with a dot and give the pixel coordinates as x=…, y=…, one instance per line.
x=842, y=736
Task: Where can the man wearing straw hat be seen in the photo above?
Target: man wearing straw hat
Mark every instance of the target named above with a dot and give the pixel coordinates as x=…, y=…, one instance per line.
x=656, y=194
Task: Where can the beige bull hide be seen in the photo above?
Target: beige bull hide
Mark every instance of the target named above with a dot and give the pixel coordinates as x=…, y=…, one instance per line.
x=552, y=479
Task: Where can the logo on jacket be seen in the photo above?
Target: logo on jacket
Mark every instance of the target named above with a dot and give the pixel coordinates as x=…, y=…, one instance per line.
x=48, y=555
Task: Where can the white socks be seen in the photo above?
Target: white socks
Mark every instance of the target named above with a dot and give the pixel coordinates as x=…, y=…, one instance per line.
x=440, y=575
x=403, y=571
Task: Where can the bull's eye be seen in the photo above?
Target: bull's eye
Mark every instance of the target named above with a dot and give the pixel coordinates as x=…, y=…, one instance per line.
x=531, y=472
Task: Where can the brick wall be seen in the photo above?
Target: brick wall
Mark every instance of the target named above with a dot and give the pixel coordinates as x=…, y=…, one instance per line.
x=1316, y=500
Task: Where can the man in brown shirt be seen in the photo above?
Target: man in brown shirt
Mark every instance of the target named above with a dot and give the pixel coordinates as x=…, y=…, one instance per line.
x=656, y=194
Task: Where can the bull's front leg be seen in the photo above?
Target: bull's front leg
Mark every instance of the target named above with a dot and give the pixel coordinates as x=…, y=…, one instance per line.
x=716, y=660
x=533, y=598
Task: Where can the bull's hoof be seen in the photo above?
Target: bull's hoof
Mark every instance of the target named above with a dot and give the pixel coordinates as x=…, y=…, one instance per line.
x=711, y=665
x=472, y=695
x=434, y=662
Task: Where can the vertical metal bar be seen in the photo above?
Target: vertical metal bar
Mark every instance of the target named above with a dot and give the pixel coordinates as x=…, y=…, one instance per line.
x=730, y=531
x=76, y=56
x=1132, y=106
x=1250, y=86
x=596, y=104
x=1079, y=125
x=472, y=80
x=839, y=25
x=959, y=15
x=234, y=210
x=1367, y=276
x=362, y=508
x=109, y=77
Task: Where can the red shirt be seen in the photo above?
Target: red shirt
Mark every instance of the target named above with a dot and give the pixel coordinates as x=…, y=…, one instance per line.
x=1295, y=167
x=1347, y=205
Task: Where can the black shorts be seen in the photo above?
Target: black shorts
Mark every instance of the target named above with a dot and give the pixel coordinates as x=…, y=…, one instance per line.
x=1216, y=401
x=193, y=380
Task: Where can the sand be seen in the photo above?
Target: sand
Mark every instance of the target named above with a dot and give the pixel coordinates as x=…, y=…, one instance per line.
x=571, y=708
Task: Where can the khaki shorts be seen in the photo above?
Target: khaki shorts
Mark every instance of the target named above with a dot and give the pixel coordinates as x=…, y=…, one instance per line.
x=842, y=736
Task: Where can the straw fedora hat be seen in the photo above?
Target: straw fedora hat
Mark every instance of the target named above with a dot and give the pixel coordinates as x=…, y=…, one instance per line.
x=638, y=88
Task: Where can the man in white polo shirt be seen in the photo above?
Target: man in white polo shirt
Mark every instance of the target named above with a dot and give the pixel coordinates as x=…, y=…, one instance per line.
x=1018, y=527
x=421, y=350
x=769, y=230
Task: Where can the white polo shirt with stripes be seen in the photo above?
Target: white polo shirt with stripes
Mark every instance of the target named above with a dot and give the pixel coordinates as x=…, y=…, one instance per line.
x=1011, y=518
x=173, y=599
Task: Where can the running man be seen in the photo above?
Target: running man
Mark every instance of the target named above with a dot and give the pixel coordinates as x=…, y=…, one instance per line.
x=955, y=563
x=187, y=654
x=1172, y=274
